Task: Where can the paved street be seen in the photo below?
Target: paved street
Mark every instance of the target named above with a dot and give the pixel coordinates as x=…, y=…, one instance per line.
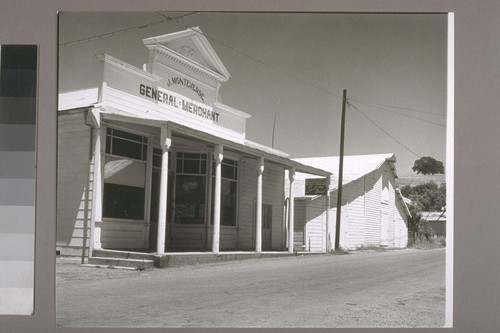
x=382, y=289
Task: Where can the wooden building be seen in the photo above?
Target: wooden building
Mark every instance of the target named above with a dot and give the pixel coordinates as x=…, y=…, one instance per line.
x=373, y=212
x=151, y=160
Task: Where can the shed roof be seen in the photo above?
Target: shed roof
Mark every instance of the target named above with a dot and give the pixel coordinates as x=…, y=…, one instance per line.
x=434, y=216
x=355, y=167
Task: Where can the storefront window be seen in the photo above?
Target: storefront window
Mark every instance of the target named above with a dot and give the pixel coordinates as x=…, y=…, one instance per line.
x=124, y=175
x=229, y=191
x=124, y=202
x=190, y=188
x=120, y=143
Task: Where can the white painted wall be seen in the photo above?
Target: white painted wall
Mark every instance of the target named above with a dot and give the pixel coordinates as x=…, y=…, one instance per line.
x=72, y=181
x=272, y=193
x=361, y=214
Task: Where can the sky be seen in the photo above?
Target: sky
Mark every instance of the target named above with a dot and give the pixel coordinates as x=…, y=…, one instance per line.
x=294, y=67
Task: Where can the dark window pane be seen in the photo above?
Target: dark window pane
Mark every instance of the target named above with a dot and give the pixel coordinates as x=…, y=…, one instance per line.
x=227, y=171
x=228, y=202
x=144, y=152
x=179, y=165
x=192, y=156
x=157, y=161
x=190, y=199
x=203, y=169
x=267, y=216
x=108, y=144
x=127, y=148
x=126, y=135
x=125, y=202
x=191, y=166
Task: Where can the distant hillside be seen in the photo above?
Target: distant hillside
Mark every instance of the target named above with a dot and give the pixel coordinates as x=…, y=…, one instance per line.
x=414, y=180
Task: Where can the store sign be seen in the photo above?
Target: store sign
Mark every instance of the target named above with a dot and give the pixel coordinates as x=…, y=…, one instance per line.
x=316, y=186
x=188, y=84
x=178, y=101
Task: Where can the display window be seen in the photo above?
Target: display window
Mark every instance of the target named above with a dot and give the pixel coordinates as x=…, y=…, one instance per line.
x=190, y=188
x=124, y=175
x=229, y=192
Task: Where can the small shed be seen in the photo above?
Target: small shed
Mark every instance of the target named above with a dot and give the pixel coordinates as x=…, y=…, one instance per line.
x=437, y=221
x=373, y=213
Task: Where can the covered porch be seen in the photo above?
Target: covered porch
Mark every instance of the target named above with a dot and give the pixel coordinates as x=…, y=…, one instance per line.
x=187, y=193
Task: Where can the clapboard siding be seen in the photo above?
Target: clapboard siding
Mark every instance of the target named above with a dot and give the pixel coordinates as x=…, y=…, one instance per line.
x=73, y=182
x=361, y=215
x=272, y=194
x=248, y=195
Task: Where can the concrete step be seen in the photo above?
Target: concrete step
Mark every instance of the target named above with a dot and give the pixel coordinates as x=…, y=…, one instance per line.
x=122, y=254
x=119, y=262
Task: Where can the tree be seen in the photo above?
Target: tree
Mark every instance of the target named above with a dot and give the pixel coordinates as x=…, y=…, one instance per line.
x=428, y=197
x=428, y=166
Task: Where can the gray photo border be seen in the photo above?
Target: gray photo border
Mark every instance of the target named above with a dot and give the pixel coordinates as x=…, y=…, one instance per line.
x=476, y=305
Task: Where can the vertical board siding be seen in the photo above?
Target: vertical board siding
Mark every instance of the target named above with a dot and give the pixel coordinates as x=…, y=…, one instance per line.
x=299, y=224
x=361, y=214
x=392, y=212
x=373, y=190
x=72, y=182
x=354, y=197
x=314, y=227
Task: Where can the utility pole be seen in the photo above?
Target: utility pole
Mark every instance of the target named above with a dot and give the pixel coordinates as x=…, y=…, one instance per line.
x=341, y=170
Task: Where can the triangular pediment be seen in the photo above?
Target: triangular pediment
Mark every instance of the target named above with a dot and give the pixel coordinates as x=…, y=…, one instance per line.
x=192, y=47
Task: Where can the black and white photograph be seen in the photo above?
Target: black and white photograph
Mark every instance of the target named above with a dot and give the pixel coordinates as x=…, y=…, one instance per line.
x=254, y=170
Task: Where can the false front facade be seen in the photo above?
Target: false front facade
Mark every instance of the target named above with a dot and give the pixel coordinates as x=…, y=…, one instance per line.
x=150, y=159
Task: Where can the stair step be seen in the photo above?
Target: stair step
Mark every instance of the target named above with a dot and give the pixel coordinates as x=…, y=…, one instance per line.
x=118, y=262
x=122, y=254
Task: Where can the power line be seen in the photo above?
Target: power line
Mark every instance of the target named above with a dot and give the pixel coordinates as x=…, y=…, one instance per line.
x=376, y=105
x=394, y=107
x=408, y=116
x=267, y=65
x=383, y=130
x=119, y=32
x=169, y=19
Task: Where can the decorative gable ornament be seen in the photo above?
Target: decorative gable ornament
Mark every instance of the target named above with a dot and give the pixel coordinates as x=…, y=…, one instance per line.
x=191, y=48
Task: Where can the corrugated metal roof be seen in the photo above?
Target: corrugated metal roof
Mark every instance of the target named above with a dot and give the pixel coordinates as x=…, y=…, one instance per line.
x=434, y=216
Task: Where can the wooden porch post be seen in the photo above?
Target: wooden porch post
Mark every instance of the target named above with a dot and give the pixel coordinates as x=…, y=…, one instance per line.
x=97, y=184
x=165, y=142
x=258, y=220
x=218, y=156
x=291, y=177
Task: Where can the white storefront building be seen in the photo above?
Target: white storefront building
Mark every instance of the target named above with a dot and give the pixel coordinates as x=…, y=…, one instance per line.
x=151, y=160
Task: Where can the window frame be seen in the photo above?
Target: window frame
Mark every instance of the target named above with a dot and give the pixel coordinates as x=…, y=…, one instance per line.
x=146, y=140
